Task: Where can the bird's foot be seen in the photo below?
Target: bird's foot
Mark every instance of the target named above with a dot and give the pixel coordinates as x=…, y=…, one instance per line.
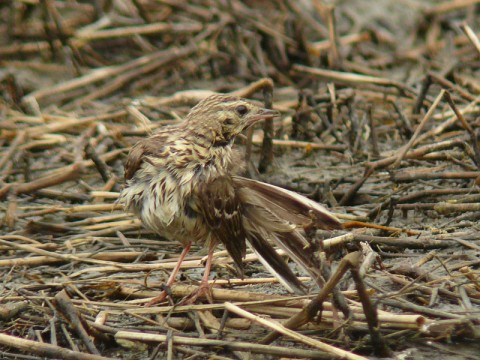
x=203, y=290
x=159, y=298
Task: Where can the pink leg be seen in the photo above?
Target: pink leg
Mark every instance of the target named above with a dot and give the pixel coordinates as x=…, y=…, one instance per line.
x=173, y=276
x=203, y=288
x=208, y=266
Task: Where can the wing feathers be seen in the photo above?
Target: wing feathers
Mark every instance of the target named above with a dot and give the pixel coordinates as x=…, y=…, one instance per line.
x=140, y=152
x=239, y=210
x=279, y=212
x=274, y=262
x=286, y=204
x=219, y=204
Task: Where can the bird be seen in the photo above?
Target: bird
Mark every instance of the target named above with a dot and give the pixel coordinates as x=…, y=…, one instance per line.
x=184, y=183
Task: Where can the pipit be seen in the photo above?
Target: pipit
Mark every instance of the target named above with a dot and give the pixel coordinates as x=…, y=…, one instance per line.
x=183, y=183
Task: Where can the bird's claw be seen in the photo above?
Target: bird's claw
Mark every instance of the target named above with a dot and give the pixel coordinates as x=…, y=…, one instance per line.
x=203, y=290
x=166, y=292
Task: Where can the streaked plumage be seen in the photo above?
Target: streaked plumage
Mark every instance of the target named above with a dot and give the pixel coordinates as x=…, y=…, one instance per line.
x=183, y=184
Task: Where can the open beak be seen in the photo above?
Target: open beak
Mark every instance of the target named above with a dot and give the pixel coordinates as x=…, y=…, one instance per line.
x=262, y=114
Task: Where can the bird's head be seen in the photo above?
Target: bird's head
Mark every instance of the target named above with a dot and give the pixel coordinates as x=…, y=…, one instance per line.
x=223, y=117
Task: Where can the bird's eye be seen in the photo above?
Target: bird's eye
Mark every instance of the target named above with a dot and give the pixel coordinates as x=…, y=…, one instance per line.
x=228, y=121
x=241, y=110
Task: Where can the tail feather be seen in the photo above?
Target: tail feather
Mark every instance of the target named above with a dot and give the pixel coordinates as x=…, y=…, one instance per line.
x=274, y=263
x=303, y=256
x=272, y=214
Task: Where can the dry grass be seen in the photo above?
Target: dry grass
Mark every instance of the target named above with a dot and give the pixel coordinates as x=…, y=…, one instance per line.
x=380, y=120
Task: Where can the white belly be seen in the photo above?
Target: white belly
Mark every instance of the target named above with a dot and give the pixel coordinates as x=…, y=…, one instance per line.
x=165, y=208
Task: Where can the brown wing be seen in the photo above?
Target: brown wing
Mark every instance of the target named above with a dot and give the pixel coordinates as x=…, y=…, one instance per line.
x=139, y=152
x=279, y=212
x=218, y=202
x=286, y=205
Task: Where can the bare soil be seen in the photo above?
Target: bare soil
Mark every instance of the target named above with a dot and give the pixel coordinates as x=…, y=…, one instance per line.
x=380, y=121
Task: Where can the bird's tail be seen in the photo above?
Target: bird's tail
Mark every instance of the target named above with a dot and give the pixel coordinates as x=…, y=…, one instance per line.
x=273, y=262
x=272, y=215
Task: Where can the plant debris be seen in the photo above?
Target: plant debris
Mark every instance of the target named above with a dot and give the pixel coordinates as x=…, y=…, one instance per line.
x=380, y=121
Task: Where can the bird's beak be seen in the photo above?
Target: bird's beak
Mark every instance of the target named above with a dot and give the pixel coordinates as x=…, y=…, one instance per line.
x=262, y=114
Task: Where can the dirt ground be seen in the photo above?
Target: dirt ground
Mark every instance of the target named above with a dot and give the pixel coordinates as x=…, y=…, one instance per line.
x=379, y=121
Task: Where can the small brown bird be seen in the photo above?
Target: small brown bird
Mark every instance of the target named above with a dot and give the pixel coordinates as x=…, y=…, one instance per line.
x=182, y=183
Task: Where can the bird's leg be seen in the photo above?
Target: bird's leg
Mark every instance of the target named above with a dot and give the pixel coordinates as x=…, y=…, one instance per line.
x=172, y=277
x=204, y=288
